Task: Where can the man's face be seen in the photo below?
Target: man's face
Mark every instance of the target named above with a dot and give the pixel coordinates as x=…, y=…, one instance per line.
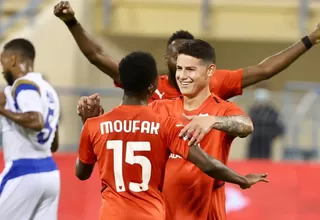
x=192, y=75
x=171, y=56
x=7, y=62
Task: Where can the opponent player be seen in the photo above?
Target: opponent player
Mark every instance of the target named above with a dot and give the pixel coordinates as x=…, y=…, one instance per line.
x=224, y=83
x=30, y=181
x=131, y=145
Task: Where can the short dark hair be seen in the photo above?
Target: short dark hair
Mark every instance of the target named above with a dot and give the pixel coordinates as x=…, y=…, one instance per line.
x=180, y=35
x=23, y=46
x=199, y=49
x=138, y=70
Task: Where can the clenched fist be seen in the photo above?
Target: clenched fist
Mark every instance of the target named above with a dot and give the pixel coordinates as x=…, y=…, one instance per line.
x=64, y=11
x=315, y=35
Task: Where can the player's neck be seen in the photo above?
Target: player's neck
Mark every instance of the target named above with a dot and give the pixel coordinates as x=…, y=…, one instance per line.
x=129, y=100
x=192, y=103
x=24, y=69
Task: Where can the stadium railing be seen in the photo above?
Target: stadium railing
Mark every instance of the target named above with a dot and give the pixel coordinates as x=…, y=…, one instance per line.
x=29, y=12
x=205, y=14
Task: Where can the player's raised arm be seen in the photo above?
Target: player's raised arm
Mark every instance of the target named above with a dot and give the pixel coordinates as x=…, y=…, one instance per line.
x=280, y=61
x=209, y=165
x=26, y=95
x=88, y=46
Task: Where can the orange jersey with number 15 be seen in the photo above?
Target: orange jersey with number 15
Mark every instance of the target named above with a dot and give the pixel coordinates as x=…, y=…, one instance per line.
x=131, y=145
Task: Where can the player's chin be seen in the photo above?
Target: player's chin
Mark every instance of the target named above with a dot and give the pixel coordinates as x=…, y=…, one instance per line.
x=186, y=92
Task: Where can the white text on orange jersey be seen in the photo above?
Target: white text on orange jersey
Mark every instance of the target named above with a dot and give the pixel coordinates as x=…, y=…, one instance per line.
x=130, y=126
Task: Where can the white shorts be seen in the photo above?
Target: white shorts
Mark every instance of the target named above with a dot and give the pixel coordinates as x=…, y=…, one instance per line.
x=29, y=190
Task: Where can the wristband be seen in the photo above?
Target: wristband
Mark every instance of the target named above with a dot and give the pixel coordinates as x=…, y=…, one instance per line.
x=306, y=41
x=71, y=22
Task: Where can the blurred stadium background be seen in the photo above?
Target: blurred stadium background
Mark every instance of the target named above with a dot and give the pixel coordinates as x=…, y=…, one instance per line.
x=243, y=33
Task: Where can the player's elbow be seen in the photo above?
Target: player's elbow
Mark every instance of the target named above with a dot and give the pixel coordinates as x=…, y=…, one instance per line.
x=248, y=129
x=93, y=57
x=37, y=125
x=266, y=71
x=245, y=128
x=82, y=176
x=83, y=171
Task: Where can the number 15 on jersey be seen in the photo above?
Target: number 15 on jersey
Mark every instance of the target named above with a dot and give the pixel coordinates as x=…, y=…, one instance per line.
x=131, y=147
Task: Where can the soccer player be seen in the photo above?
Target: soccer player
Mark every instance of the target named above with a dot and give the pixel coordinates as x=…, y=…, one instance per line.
x=131, y=146
x=184, y=191
x=30, y=181
x=224, y=83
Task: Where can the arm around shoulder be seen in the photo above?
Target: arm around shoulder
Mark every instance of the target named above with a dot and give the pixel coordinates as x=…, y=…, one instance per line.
x=234, y=121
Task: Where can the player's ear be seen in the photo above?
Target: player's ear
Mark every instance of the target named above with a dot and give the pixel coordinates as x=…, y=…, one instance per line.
x=211, y=69
x=151, y=89
x=13, y=60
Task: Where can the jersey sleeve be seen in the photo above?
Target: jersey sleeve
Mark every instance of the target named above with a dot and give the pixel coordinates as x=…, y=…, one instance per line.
x=86, y=154
x=227, y=83
x=26, y=95
x=233, y=109
x=176, y=144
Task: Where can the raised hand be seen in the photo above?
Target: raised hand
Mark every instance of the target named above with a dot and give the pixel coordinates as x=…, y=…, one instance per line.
x=315, y=35
x=64, y=11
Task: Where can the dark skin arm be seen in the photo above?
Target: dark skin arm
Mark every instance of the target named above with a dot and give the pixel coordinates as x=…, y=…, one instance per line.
x=217, y=170
x=83, y=171
x=55, y=143
x=31, y=120
x=88, y=46
x=278, y=62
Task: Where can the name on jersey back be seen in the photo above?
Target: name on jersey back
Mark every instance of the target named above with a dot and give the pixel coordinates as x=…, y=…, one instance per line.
x=130, y=126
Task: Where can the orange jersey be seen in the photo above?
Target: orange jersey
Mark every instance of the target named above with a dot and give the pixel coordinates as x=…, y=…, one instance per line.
x=187, y=191
x=224, y=83
x=131, y=145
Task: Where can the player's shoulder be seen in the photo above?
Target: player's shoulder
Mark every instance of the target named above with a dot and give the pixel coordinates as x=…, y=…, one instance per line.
x=163, y=78
x=24, y=80
x=27, y=82
x=163, y=82
x=225, y=71
x=94, y=123
x=164, y=104
x=221, y=103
